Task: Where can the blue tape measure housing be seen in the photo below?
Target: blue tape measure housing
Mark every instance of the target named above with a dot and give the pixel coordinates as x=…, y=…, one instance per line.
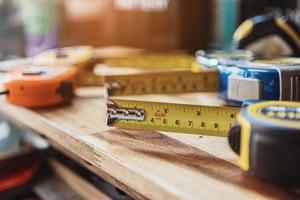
x=268, y=79
x=242, y=77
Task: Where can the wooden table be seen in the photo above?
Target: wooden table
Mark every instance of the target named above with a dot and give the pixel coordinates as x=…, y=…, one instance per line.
x=147, y=165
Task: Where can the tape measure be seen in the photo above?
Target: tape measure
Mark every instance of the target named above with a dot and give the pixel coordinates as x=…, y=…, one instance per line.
x=173, y=81
x=84, y=58
x=260, y=79
x=159, y=116
x=236, y=76
x=80, y=57
x=265, y=137
x=193, y=78
x=213, y=58
x=154, y=61
x=267, y=141
x=38, y=86
x=268, y=36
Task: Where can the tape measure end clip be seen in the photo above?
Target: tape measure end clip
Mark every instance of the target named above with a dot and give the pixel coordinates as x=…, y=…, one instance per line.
x=115, y=113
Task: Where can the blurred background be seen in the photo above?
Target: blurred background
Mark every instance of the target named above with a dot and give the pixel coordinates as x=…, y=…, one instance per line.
x=31, y=26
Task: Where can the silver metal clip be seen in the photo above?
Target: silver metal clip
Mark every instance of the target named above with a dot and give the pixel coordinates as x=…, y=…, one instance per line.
x=115, y=113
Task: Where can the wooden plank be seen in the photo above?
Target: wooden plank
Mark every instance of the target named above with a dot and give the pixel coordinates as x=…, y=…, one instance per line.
x=50, y=187
x=155, y=165
x=74, y=181
x=97, y=171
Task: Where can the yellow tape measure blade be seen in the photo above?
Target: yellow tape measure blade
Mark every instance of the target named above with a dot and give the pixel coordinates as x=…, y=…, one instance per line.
x=169, y=117
x=176, y=81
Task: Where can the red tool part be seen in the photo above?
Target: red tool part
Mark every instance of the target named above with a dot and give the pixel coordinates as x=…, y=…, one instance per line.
x=16, y=176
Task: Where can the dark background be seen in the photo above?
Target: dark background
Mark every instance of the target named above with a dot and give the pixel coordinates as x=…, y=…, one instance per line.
x=185, y=24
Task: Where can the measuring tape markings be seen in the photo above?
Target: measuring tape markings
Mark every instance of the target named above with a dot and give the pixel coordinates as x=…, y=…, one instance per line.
x=235, y=80
x=264, y=135
x=259, y=130
x=84, y=58
x=192, y=81
x=195, y=119
x=213, y=121
x=264, y=73
x=154, y=61
x=176, y=81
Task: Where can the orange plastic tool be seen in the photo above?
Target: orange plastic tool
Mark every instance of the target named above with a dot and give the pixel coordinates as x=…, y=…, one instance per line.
x=38, y=86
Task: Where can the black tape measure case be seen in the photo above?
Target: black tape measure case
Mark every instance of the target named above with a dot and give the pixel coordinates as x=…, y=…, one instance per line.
x=267, y=141
x=268, y=35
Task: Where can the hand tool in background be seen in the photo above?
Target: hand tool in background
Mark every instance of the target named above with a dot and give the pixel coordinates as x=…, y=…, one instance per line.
x=151, y=115
x=172, y=81
x=213, y=58
x=265, y=137
x=81, y=57
x=30, y=85
x=195, y=78
x=38, y=86
x=21, y=160
x=217, y=121
x=18, y=173
x=146, y=63
x=154, y=61
x=260, y=79
x=85, y=58
x=274, y=78
x=237, y=76
x=267, y=141
x=268, y=35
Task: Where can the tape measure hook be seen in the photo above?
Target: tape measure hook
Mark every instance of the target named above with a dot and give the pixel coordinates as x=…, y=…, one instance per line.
x=115, y=113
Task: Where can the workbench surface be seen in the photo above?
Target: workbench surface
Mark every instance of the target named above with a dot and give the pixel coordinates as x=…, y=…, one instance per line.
x=147, y=165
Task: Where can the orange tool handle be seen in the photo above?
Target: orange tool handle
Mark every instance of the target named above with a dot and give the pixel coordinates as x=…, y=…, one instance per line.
x=39, y=86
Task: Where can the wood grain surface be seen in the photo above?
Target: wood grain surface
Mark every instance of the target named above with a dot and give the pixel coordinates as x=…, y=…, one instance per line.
x=147, y=165
x=85, y=189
